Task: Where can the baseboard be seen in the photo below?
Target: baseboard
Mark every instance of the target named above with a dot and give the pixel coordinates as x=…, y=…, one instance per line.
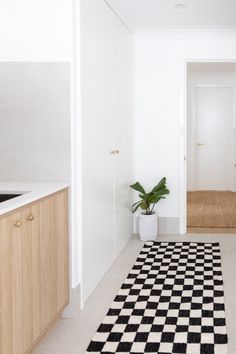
x=167, y=226
x=74, y=307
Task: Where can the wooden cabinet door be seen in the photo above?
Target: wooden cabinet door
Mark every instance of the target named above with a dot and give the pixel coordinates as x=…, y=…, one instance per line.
x=53, y=256
x=31, y=275
x=34, y=282
x=36, y=285
x=48, y=262
x=60, y=220
x=11, y=285
x=19, y=281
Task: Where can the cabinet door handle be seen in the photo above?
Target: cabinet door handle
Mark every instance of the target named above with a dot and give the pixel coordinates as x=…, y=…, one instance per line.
x=30, y=217
x=17, y=223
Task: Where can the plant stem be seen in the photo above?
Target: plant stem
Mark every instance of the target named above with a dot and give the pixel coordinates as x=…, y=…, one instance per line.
x=153, y=208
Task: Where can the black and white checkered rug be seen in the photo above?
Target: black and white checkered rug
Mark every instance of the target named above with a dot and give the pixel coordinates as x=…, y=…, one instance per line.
x=171, y=302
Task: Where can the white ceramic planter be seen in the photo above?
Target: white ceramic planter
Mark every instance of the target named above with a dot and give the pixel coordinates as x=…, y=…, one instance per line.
x=148, y=227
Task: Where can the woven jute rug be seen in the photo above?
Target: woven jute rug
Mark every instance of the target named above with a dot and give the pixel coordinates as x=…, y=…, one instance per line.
x=211, y=209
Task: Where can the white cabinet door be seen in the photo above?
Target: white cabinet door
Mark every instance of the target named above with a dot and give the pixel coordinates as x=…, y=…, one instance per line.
x=97, y=134
x=123, y=139
x=214, y=125
x=106, y=47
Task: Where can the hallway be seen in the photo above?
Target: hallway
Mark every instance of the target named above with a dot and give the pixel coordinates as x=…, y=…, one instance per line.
x=72, y=336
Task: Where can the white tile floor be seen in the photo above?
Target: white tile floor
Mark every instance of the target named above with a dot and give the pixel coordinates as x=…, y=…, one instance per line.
x=72, y=336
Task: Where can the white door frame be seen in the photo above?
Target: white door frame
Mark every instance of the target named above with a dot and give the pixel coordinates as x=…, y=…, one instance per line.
x=183, y=132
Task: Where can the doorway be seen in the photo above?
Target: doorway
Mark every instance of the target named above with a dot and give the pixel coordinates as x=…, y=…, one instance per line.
x=211, y=196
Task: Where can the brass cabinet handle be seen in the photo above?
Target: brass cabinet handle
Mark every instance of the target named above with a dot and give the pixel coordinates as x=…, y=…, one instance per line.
x=17, y=223
x=113, y=152
x=30, y=217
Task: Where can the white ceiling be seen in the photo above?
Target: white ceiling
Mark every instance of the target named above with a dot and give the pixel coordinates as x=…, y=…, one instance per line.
x=162, y=14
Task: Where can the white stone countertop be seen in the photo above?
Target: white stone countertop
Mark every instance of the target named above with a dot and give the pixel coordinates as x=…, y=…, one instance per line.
x=30, y=193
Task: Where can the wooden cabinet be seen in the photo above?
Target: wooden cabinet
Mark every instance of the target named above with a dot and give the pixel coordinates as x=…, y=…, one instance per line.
x=34, y=281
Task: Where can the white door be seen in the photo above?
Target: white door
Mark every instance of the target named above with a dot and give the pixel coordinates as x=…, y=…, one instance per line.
x=106, y=86
x=214, y=137
x=97, y=144
x=123, y=139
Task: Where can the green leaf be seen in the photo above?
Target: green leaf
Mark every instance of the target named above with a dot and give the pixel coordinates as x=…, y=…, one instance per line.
x=136, y=207
x=136, y=203
x=154, y=199
x=137, y=187
x=162, y=191
x=160, y=185
x=144, y=205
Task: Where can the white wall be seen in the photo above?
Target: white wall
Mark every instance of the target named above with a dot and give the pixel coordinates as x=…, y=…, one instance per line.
x=107, y=103
x=160, y=65
x=36, y=30
x=202, y=74
x=35, y=122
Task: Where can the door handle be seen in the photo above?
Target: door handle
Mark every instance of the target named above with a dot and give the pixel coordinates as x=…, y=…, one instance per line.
x=30, y=217
x=113, y=152
x=200, y=144
x=17, y=223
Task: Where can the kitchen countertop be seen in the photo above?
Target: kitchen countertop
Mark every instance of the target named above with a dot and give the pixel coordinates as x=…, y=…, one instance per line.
x=30, y=193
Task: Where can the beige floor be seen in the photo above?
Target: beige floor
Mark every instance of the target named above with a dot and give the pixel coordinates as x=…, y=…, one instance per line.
x=72, y=336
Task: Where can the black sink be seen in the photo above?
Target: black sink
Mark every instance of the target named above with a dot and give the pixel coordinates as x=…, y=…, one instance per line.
x=4, y=197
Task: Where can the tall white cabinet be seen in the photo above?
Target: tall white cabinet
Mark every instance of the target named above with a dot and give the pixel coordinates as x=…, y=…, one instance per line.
x=107, y=133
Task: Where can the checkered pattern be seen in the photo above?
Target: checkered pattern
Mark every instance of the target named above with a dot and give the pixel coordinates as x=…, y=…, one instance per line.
x=171, y=302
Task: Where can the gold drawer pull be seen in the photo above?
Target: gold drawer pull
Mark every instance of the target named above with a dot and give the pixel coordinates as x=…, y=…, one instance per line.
x=30, y=218
x=17, y=223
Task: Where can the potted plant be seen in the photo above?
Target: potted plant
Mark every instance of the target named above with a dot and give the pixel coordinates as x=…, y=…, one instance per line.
x=148, y=225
